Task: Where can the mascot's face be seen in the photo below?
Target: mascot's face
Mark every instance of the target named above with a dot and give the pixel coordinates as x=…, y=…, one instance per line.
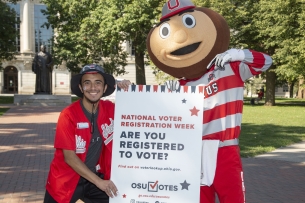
x=184, y=44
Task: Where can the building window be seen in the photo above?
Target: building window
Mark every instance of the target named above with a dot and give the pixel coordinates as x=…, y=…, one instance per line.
x=276, y=89
x=43, y=35
x=285, y=88
x=16, y=8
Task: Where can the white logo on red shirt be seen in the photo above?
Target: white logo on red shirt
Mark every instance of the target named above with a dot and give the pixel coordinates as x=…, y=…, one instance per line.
x=80, y=145
x=107, y=130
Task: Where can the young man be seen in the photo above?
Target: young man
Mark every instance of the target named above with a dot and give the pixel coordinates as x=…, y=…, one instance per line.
x=83, y=141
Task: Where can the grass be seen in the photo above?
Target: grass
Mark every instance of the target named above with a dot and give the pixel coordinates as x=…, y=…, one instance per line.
x=263, y=128
x=73, y=99
x=267, y=128
x=6, y=100
x=3, y=110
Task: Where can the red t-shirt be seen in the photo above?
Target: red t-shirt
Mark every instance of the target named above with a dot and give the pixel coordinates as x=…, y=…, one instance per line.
x=73, y=133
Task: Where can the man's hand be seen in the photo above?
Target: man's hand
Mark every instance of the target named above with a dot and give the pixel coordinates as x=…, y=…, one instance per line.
x=79, y=167
x=124, y=84
x=107, y=186
x=172, y=85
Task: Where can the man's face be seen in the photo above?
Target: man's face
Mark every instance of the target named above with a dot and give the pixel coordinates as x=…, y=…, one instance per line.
x=93, y=87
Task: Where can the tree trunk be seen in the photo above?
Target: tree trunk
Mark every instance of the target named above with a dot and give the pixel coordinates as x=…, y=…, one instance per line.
x=140, y=69
x=270, y=87
x=291, y=89
x=301, y=92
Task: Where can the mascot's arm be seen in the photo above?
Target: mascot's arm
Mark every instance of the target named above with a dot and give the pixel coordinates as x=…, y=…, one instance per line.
x=248, y=62
x=254, y=63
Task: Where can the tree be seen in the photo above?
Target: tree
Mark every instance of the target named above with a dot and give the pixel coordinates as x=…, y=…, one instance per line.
x=126, y=21
x=93, y=30
x=281, y=24
x=8, y=32
x=75, y=44
x=274, y=27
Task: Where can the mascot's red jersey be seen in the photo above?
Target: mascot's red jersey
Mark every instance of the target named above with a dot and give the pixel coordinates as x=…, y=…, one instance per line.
x=223, y=94
x=73, y=133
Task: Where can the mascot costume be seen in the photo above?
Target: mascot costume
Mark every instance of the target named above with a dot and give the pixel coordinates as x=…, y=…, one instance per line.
x=190, y=43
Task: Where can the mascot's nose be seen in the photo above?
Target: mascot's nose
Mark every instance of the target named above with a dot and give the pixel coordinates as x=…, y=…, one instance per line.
x=180, y=36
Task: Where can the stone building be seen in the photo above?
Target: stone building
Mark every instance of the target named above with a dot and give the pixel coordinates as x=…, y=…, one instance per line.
x=17, y=76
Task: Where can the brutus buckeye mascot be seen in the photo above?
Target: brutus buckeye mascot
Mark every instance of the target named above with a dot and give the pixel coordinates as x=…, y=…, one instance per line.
x=190, y=44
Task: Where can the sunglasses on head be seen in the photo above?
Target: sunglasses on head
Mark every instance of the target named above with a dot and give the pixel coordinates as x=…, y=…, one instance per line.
x=93, y=67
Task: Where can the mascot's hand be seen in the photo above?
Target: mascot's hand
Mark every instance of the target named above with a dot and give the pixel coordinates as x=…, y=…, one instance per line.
x=226, y=57
x=172, y=85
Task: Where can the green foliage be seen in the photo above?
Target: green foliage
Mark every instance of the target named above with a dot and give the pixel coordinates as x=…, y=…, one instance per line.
x=281, y=25
x=8, y=32
x=3, y=110
x=160, y=76
x=77, y=45
x=93, y=31
x=6, y=100
x=274, y=27
x=125, y=21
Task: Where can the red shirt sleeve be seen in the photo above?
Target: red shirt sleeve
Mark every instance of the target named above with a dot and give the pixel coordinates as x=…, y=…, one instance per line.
x=65, y=132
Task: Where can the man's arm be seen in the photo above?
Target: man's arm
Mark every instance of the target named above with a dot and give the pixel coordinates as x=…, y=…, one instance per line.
x=79, y=167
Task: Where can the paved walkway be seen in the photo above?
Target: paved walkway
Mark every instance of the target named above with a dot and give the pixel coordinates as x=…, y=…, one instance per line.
x=26, y=149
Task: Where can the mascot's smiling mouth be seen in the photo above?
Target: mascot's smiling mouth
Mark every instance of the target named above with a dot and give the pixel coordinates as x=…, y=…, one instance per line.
x=186, y=50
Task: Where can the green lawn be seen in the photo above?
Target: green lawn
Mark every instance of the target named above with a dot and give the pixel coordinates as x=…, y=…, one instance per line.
x=6, y=99
x=267, y=128
x=263, y=128
x=3, y=110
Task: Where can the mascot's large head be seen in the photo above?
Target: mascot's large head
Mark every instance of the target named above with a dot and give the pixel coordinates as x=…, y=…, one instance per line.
x=187, y=39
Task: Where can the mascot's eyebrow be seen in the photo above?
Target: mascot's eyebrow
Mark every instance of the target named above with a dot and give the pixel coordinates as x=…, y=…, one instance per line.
x=167, y=19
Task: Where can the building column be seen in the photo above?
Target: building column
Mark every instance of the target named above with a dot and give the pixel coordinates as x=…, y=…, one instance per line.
x=26, y=34
x=19, y=79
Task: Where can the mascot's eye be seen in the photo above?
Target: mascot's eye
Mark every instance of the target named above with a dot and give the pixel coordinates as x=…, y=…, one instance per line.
x=189, y=21
x=164, y=30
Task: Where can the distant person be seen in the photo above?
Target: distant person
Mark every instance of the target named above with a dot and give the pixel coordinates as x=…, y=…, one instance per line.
x=42, y=67
x=83, y=142
x=260, y=95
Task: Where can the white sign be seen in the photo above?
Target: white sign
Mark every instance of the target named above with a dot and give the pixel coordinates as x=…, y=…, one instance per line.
x=156, y=154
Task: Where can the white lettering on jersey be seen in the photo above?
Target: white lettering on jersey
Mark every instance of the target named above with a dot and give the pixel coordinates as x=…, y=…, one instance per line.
x=80, y=145
x=210, y=89
x=107, y=130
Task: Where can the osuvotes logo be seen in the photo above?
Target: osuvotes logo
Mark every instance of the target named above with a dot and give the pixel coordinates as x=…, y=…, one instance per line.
x=154, y=186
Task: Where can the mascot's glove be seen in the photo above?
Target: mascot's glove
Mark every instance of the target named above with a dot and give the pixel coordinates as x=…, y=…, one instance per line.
x=226, y=57
x=172, y=85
